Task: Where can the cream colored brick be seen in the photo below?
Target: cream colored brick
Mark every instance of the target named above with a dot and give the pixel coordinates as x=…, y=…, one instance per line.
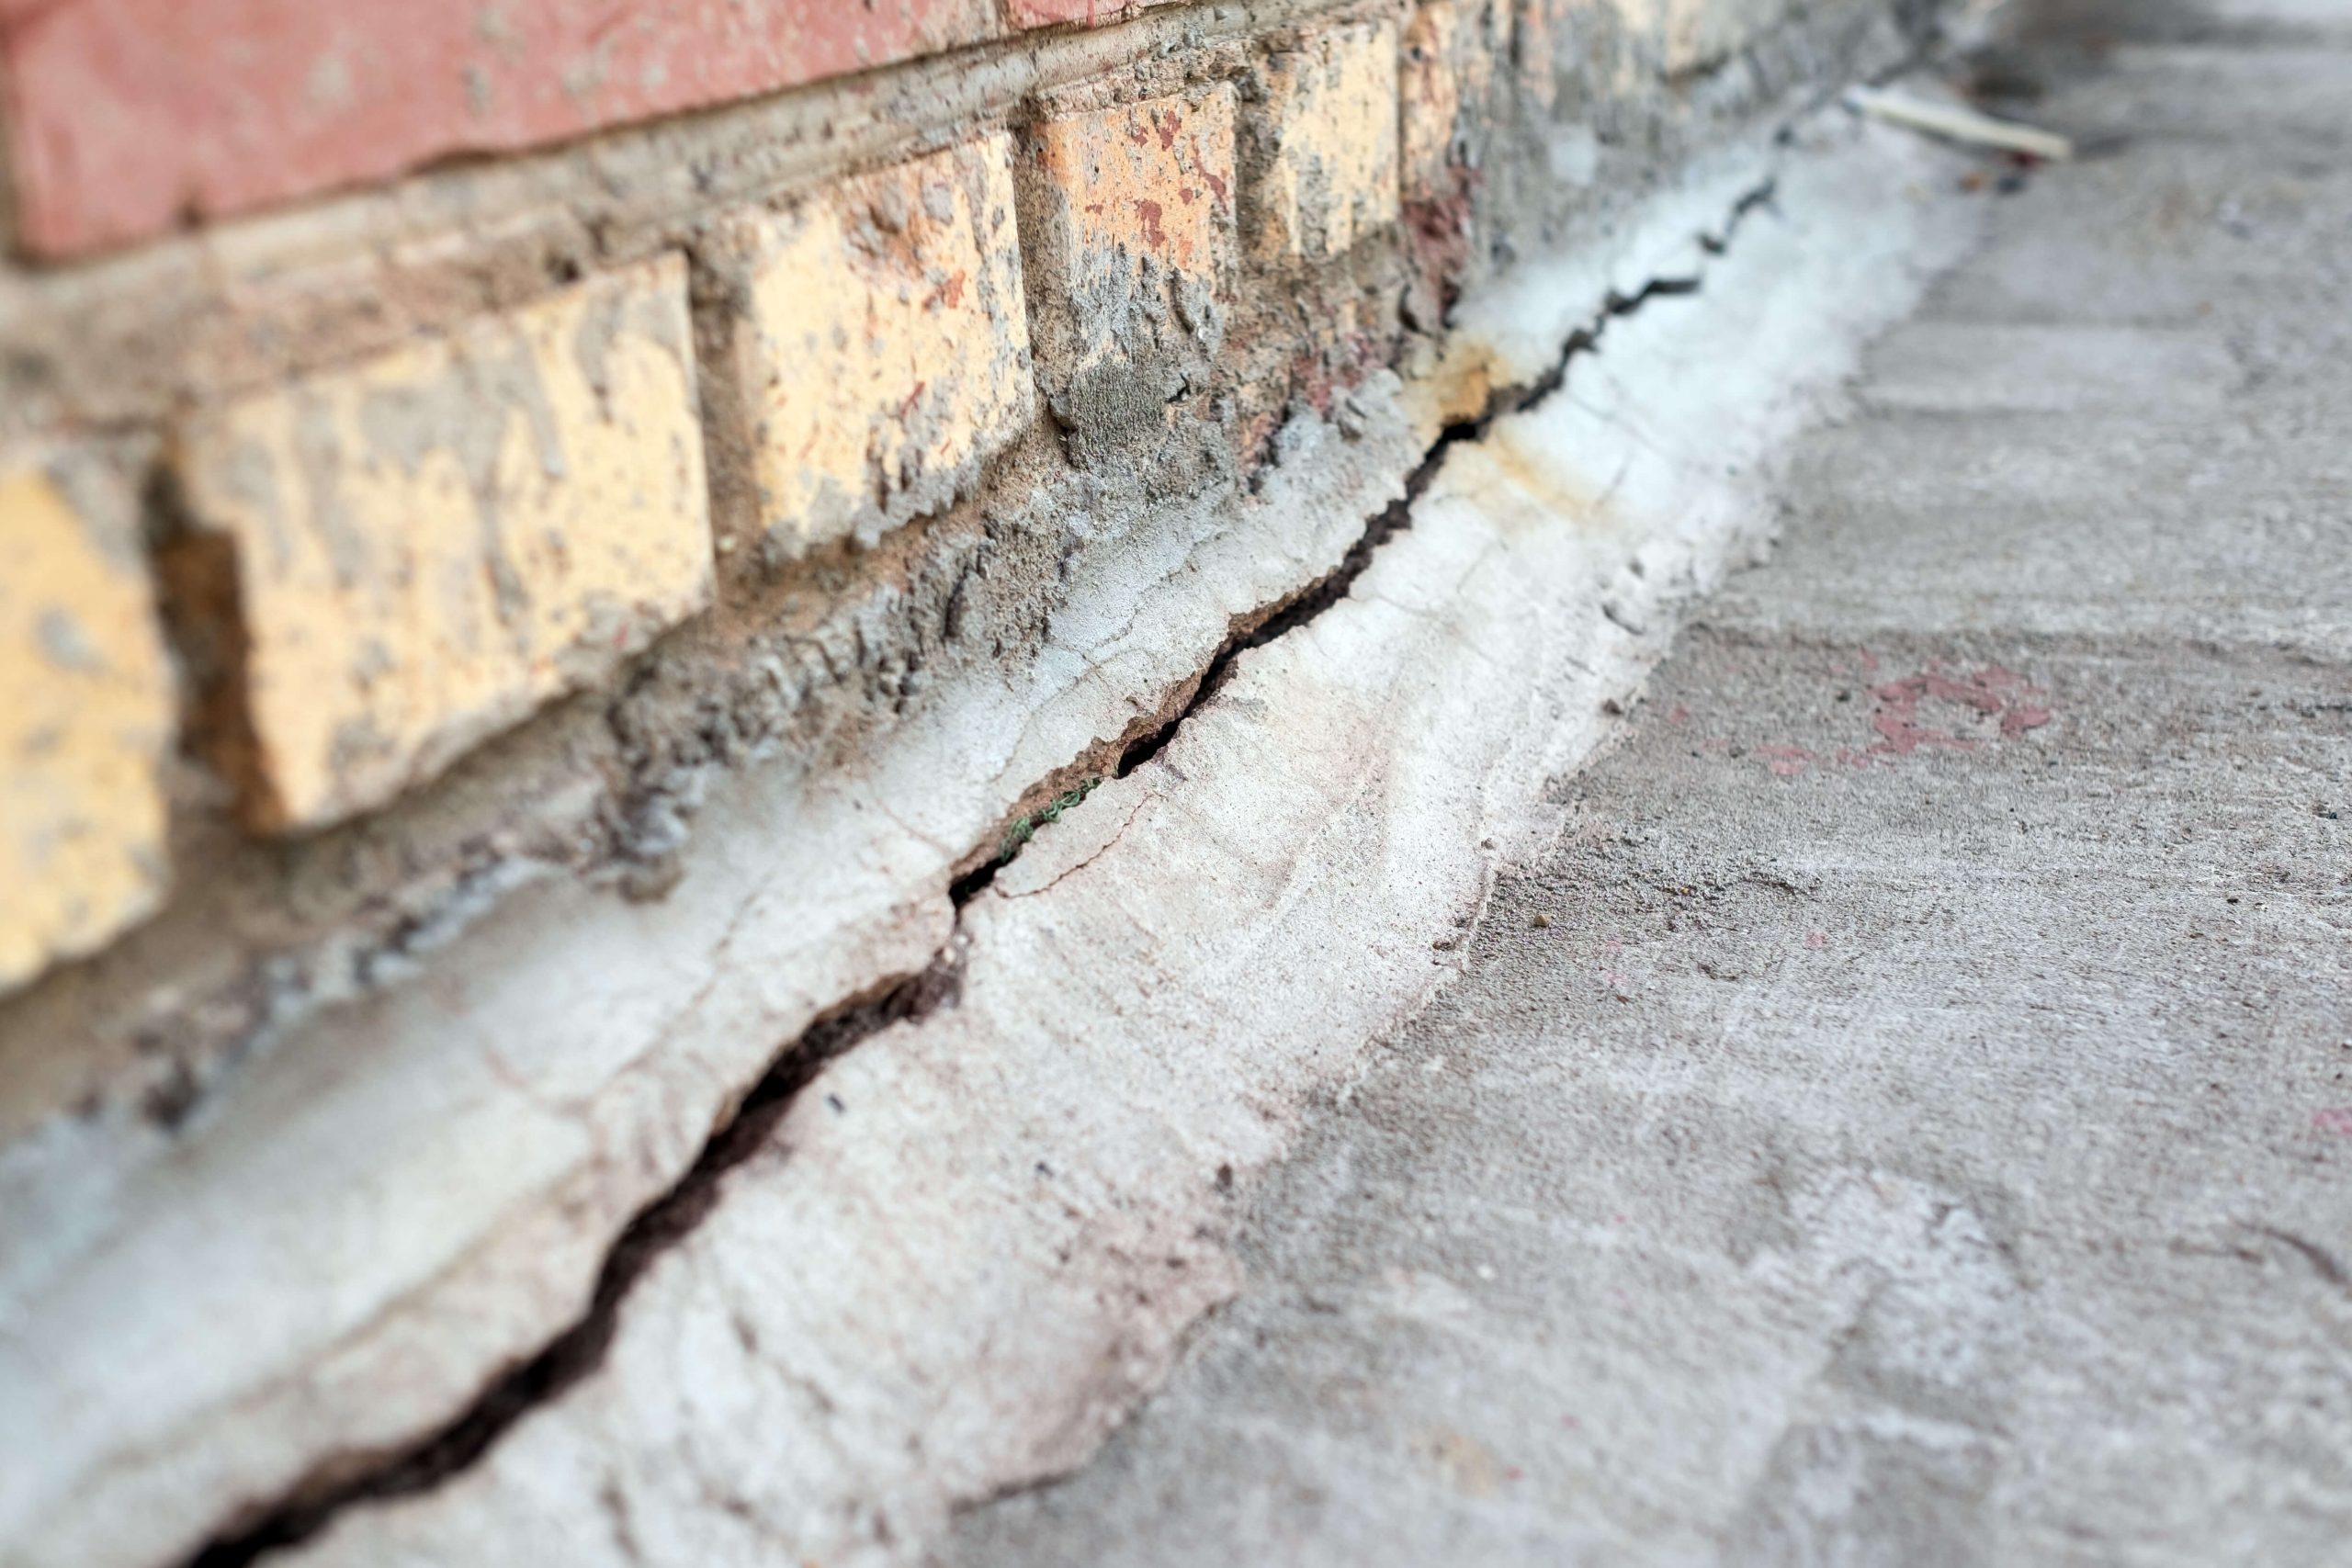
x=1622, y=47
x=87, y=701
x=1534, y=46
x=1690, y=36
x=1129, y=235
x=1326, y=173
x=429, y=546
x=881, y=350
x=1445, y=76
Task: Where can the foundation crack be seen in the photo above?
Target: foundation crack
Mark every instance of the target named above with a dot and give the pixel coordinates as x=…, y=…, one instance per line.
x=580, y=1350
x=669, y=1219
x=1319, y=596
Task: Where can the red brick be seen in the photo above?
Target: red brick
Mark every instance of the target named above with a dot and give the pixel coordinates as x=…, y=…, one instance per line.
x=126, y=116
x=1085, y=13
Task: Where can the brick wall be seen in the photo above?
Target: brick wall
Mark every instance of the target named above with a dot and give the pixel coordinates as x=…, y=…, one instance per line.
x=384, y=553
x=378, y=376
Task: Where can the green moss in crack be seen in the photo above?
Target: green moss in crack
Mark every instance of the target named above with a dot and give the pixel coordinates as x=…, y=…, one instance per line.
x=1022, y=832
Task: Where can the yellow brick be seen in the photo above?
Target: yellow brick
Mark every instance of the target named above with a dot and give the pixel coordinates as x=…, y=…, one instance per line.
x=86, y=701
x=1536, y=26
x=1621, y=48
x=1128, y=231
x=429, y=546
x=1328, y=175
x=881, y=351
x=1447, y=67
x=1682, y=37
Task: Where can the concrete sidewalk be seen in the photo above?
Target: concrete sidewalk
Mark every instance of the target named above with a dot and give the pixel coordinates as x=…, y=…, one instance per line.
x=1909, y=1118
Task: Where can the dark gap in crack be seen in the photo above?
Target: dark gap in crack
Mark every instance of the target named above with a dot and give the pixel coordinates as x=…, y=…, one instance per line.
x=580, y=1350
x=1398, y=516
x=1317, y=597
x=1020, y=829
x=1758, y=198
x=967, y=887
x=675, y=1214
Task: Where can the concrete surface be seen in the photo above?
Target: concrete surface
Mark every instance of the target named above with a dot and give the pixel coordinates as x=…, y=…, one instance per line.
x=1906, y=1117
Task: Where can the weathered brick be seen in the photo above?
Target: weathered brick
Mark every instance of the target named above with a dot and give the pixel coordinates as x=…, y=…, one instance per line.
x=128, y=116
x=1130, y=246
x=880, y=351
x=1445, y=74
x=1324, y=174
x=1535, y=43
x=428, y=547
x=1085, y=13
x=1689, y=36
x=87, y=701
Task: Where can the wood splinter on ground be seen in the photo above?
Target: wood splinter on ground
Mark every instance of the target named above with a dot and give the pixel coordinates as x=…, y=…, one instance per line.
x=1957, y=123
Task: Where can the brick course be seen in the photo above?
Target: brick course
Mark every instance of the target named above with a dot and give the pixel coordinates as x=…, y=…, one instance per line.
x=129, y=116
x=389, y=560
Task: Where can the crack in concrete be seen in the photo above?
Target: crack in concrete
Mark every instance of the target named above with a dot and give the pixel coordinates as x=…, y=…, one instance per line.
x=1283, y=619
x=460, y=1443
x=457, y=1445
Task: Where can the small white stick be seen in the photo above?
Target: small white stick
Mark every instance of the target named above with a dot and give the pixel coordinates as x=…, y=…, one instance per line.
x=1960, y=124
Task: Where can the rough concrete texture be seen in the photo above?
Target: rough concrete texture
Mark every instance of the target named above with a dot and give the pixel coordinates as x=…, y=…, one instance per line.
x=970, y=1242
x=446, y=1162
x=1902, y=1120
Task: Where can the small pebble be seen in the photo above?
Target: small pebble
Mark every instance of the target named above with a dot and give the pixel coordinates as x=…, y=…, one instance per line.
x=1540, y=922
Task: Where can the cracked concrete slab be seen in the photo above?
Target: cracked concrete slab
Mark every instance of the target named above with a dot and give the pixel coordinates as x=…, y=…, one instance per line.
x=973, y=1243
x=1903, y=1117
x=447, y=1163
